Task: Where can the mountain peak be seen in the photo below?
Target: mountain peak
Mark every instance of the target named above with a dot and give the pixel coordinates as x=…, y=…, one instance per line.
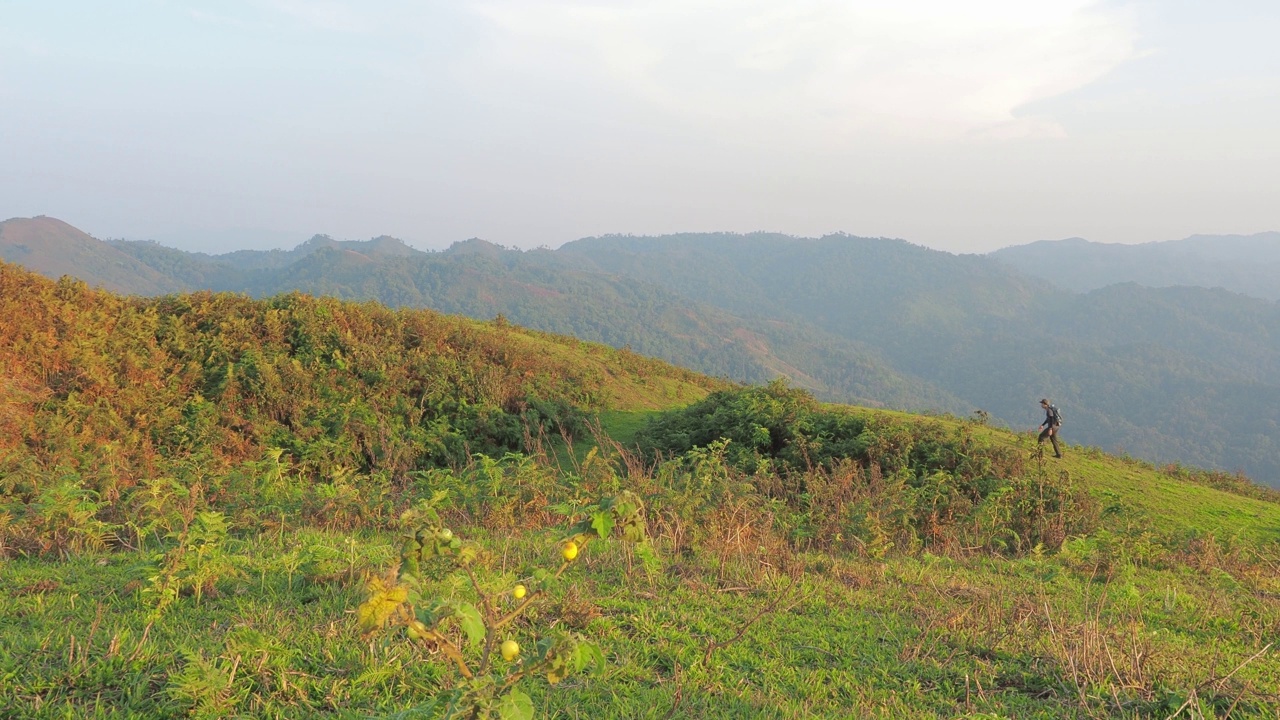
x=387, y=245
x=475, y=246
x=55, y=248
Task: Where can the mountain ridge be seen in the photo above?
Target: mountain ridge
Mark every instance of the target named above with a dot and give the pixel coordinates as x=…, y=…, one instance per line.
x=1248, y=264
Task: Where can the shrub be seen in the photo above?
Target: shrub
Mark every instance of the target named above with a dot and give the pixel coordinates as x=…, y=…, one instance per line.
x=849, y=479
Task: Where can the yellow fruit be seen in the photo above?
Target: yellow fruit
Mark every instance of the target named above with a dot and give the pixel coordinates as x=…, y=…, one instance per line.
x=569, y=551
x=446, y=534
x=510, y=650
x=519, y=592
x=417, y=630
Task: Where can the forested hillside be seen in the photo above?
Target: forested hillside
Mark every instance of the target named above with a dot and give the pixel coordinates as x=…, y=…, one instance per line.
x=54, y=248
x=1188, y=375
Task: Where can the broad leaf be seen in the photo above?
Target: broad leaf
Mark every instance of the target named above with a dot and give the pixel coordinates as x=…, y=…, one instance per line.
x=602, y=523
x=472, y=623
x=515, y=705
x=588, y=656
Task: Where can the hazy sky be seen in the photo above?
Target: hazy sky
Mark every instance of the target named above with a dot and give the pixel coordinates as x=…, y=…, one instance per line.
x=965, y=126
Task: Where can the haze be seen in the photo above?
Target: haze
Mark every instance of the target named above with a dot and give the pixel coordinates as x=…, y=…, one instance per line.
x=966, y=127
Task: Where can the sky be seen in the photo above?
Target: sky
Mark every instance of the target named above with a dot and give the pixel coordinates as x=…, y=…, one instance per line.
x=965, y=127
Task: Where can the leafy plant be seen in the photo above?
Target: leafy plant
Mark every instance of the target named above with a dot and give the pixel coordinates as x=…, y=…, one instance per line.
x=66, y=515
x=195, y=564
x=478, y=638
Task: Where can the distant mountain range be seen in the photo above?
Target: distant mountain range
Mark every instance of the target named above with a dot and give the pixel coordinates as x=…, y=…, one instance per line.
x=1185, y=374
x=1248, y=264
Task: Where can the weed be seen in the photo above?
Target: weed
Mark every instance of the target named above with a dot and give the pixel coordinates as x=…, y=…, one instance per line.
x=488, y=688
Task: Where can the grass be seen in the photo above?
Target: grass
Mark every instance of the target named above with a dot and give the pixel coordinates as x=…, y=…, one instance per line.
x=1111, y=626
x=911, y=637
x=622, y=425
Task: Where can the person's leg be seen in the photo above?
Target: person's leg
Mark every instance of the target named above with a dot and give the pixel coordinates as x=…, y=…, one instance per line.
x=1044, y=434
x=1053, y=437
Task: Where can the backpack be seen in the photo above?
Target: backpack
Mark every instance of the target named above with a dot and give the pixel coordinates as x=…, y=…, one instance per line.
x=1057, y=414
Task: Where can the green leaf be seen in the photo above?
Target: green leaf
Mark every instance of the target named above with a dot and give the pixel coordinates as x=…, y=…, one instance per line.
x=562, y=509
x=431, y=615
x=633, y=529
x=602, y=522
x=648, y=558
x=471, y=621
x=588, y=655
x=515, y=705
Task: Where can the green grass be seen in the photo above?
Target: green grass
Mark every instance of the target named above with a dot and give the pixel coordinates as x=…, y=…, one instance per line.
x=1169, y=502
x=910, y=637
x=1108, y=627
x=622, y=425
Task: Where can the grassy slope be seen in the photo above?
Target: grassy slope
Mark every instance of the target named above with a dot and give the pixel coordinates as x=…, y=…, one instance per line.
x=1136, y=491
x=905, y=637
x=87, y=374
x=910, y=637
x=1088, y=632
x=1168, y=502
x=632, y=383
x=1139, y=493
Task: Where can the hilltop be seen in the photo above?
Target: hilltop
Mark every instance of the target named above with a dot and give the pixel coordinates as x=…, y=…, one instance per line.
x=198, y=492
x=54, y=248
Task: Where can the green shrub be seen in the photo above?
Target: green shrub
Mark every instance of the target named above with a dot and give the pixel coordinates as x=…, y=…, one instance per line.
x=853, y=480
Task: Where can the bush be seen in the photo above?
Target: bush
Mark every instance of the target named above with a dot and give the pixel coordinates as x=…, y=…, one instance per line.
x=858, y=481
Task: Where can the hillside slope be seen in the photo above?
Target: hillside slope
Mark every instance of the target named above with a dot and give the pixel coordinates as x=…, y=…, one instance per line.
x=214, y=506
x=917, y=568
x=128, y=388
x=481, y=280
x=53, y=248
x=1172, y=375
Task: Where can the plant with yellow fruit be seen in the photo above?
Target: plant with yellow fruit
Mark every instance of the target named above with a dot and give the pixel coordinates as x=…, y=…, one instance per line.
x=510, y=650
x=470, y=636
x=569, y=551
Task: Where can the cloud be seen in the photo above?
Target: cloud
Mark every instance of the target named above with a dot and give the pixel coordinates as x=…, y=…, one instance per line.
x=921, y=69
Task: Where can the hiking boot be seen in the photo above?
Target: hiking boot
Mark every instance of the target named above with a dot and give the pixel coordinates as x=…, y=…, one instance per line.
x=1058, y=456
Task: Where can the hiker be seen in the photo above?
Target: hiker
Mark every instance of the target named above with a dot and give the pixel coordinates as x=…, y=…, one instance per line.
x=1052, y=421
